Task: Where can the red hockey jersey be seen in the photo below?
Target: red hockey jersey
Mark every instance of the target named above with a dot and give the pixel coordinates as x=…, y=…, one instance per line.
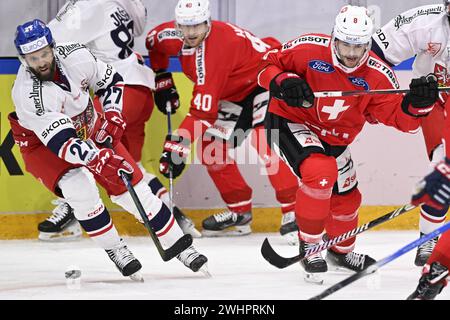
x=336, y=120
x=223, y=67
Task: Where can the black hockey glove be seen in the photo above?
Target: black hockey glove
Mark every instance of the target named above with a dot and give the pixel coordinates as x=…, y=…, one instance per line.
x=292, y=89
x=166, y=92
x=423, y=93
x=175, y=151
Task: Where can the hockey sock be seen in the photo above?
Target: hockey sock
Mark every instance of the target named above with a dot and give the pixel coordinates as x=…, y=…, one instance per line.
x=431, y=218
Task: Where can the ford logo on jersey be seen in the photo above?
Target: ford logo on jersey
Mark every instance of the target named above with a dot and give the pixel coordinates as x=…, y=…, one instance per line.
x=321, y=66
x=360, y=82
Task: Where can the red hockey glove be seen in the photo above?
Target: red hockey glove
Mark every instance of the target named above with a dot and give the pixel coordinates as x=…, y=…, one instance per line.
x=434, y=189
x=112, y=128
x=110, y=166
x=422, y=95
x=166, y=93
x=176, y=150
x=292, y=89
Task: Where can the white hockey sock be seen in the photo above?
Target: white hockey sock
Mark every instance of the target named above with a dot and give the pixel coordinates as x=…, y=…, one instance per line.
x=161, y=219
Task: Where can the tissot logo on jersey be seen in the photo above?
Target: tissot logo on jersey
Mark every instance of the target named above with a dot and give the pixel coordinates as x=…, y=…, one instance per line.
x=169, y=34
x=200, y=63
x=306, y=39
x=378, y=65
x=321, y=66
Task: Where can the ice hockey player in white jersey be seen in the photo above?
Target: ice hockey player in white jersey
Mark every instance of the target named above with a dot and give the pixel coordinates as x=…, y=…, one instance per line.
x=108, y=29
x=423, y=32
x=61, y=136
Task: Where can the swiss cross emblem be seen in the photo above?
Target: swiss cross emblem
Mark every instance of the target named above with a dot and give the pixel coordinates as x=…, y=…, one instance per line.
x=333, y=112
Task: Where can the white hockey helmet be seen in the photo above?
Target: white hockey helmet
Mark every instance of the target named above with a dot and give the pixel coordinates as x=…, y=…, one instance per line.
x=353, y=25
x=192, y=12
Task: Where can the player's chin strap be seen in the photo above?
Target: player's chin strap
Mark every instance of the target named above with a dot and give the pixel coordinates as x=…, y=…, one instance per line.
x=323, y=94
x=182, y=244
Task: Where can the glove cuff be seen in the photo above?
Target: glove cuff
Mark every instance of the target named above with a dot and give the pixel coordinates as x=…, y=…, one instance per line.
x=409, y=109
x=283, y=76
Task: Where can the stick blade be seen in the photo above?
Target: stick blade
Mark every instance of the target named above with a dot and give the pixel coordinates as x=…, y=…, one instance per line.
x=274, y=258
x=182, y=244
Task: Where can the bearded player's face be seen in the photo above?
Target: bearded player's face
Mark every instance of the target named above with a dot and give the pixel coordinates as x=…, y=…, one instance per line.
x=41, y=63
x=350, y=54
x=195, y=34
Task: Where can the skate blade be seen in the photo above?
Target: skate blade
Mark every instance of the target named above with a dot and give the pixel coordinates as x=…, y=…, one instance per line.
x=192, y=231
x=205, y=271
x=315, y=278
x=137, y=277
x=69, y=234
x=235, y=231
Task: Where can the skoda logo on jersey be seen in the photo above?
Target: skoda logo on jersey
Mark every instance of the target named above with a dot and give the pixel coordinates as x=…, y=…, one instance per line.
x=321, y=66
x=34, y=45
x=360, y=82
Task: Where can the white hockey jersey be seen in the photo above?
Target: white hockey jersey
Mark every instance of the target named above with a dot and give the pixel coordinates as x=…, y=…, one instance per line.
x=56, y=112
x=108, y=29
x=423, y=31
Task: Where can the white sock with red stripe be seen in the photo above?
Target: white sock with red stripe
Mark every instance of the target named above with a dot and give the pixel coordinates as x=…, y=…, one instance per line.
x=431, y=218
x=161, y=219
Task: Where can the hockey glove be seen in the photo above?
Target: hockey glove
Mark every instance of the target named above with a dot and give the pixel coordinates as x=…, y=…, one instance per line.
x=176, y=150
x=112, y=128
x=292, y=89
x=166, y=92
x=423, y=93
x=110, y=166
x=434, y=189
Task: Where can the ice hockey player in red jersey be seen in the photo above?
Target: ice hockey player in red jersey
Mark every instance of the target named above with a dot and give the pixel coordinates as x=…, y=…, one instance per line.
x=313, y=134
x=61, y=138
x=424, y=37
x=222, y=60
x=434, y=191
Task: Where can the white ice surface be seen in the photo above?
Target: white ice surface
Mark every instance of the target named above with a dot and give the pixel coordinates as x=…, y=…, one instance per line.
x=30, y=269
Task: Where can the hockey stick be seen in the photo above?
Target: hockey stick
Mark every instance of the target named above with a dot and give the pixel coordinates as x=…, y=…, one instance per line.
x=182, y=244
x=281, y=262
x=323, y=94
x=169, y=131
x=374, y=267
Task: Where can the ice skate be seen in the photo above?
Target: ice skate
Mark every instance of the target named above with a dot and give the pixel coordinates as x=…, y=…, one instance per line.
x=60, y=225
x=289, y=228
x=424, y=251
x=431, y=283
x=227, y=223
x=195, y=261
x=185, y=223
x=125, y=261
x=350, y=261
x=314, y=266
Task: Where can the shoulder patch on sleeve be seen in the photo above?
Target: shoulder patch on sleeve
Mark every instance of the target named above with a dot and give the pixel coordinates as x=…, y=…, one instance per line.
x=384, y=69
x=168, y=33
x=306, y=39
x=408, y=16
x=65, y=50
